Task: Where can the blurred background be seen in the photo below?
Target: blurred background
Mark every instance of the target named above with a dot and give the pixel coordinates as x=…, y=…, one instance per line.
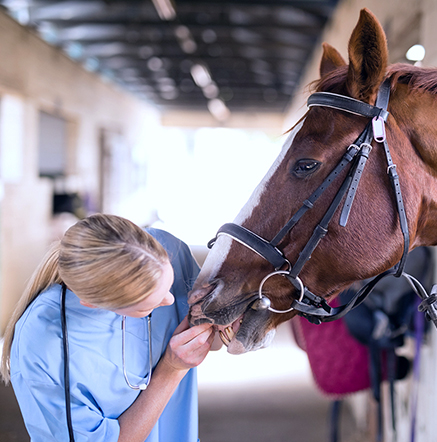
x=169, y=112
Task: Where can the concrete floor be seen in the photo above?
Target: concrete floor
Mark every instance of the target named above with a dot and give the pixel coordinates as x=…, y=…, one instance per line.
x=267, y=395
x=263, y=415
x=261, y=396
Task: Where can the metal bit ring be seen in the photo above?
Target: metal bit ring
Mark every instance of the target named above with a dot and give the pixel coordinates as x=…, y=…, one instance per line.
x=280, y=272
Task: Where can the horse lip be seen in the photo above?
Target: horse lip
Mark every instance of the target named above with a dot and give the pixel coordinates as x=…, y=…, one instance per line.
x=247, y=334
x=251, y=332
x=235, y=327
x=227, y=315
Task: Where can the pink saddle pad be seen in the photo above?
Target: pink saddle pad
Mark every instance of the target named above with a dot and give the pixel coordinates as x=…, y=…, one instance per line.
x=339, y=363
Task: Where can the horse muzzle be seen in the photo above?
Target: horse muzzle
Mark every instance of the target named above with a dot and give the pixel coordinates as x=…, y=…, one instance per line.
x=242, y=324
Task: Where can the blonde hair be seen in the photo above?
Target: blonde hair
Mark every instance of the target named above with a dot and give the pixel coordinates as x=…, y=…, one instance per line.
x=105, y=260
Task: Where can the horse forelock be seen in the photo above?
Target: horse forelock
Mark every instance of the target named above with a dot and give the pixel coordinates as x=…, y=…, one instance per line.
x=219, y=252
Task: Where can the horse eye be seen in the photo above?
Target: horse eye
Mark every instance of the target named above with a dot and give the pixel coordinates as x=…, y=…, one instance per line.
x=305, y=167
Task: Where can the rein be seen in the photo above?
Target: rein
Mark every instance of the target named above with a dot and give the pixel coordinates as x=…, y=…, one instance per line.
x=309, y=305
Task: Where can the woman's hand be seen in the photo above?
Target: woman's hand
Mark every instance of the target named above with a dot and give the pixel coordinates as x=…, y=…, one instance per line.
x=188, y=346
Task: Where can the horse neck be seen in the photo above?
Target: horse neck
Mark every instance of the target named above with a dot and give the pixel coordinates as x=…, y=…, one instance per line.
x=415, y=116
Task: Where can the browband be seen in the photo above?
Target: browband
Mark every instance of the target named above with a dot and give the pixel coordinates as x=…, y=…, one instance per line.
x=348, y=104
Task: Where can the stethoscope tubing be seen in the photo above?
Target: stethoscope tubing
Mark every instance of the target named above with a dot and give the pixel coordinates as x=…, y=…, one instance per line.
x=66, y=364
x=66, y=355
x=145, y=384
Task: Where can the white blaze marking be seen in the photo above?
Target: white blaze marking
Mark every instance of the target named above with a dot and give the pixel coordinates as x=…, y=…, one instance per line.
x=221, y=248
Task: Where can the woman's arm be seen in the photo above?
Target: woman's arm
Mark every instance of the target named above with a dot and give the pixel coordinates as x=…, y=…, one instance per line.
x=187, y=348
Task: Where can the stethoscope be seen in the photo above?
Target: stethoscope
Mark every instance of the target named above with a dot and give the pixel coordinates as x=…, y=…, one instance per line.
x=145, y=384
x=141, y=386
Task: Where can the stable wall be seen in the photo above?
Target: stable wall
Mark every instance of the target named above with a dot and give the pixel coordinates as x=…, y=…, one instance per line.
x=34, y=77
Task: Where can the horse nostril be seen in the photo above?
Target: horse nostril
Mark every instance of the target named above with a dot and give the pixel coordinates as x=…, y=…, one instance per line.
x=199, y=293
x=196, y=313
x=196, y=316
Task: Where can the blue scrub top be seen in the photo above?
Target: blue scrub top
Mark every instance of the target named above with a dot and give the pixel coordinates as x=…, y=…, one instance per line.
x=99, y=393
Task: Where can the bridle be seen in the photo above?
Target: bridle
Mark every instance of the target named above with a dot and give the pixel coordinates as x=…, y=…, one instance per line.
x=309, y=305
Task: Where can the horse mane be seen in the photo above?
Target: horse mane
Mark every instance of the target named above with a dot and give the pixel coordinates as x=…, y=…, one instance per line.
x=417, y=78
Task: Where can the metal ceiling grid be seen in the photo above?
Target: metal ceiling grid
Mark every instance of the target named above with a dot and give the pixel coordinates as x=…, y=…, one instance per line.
x=225, y=56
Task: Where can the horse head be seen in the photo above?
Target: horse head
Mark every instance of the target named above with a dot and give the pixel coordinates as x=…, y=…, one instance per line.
x=234, y=279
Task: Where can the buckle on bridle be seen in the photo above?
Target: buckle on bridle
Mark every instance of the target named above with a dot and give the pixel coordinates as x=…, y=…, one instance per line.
x=351, y=152
x=389, y=169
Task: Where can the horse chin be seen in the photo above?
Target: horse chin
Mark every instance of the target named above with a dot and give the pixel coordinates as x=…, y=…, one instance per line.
x=255, y=332
x=238, y=347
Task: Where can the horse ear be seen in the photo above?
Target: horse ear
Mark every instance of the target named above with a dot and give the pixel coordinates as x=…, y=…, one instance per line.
x=368, y=56
x=331, y=60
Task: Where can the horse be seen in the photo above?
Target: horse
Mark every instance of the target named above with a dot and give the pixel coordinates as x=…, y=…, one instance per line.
x=353, y=190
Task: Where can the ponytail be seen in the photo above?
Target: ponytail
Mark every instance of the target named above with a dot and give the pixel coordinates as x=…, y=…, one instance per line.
x=45, y=275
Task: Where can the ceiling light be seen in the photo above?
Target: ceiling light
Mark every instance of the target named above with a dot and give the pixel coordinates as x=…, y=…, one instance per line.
x=74, y=50
x=185, y=39
x=155, y=64
x=91, y=64
x=416, y=53
x=48, y=32
x=145, y=51
x=200, y=75
x=169, y=94
x=189, y=46
x=182, y=32
x=218, y=109
x=19, y=9
x=165, y=9
x=209, y=36
x=211, y=90
x=104, y=49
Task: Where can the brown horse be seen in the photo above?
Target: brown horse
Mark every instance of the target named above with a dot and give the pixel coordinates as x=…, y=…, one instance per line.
x=234, y=279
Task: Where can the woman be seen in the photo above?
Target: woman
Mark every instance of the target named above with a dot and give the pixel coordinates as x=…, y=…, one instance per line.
x=110, y=272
